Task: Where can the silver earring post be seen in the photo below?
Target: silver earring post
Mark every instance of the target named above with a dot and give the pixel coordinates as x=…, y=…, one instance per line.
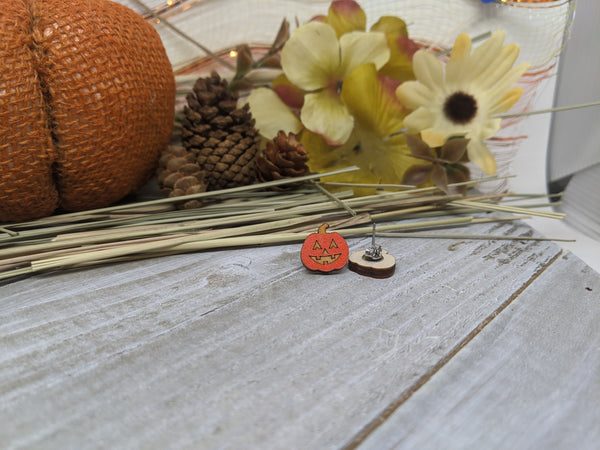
x=374, y=251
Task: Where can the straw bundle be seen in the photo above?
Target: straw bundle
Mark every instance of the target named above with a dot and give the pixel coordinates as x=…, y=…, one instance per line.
x=251, y=215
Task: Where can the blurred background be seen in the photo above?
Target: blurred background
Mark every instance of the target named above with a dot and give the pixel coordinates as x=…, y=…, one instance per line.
x=574, y=139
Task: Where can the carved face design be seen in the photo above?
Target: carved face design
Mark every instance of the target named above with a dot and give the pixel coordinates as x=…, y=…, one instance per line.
x=324, y=256
x=324, y=252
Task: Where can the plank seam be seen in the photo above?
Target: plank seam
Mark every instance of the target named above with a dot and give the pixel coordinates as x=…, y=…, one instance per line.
x=372, y=426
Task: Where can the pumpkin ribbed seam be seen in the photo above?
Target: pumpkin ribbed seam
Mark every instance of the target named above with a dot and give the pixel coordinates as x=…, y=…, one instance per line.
x=39, y=52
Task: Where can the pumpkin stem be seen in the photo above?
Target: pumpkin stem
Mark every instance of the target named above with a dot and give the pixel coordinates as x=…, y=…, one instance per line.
x=323, y=228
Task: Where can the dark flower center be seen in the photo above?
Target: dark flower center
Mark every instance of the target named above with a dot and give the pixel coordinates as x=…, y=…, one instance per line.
x=460, y=108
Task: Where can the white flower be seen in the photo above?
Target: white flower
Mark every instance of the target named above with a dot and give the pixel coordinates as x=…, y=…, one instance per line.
x=314, y=60
x=462, y=102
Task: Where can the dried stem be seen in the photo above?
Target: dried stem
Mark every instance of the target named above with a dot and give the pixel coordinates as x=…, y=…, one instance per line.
x=246, y=216
x=549, y=110
x=183, y=35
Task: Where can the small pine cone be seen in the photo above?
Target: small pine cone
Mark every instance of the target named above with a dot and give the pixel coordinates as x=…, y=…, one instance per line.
x=221, y=135
x=178, y=174
x=284, y=157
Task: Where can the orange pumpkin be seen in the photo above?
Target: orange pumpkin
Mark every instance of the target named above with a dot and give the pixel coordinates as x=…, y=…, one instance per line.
x=86, y=105
x=324, y=252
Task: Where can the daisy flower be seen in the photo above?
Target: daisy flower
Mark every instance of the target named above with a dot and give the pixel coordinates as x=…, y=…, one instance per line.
x=476, y=86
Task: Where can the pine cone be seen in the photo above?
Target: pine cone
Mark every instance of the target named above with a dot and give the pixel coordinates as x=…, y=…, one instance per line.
x=220, y=135
x=178, y=174
x=284, y=157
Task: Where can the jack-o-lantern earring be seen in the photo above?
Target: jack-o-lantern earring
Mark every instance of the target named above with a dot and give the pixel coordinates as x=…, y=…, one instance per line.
x=374, y=262
x=324, y=252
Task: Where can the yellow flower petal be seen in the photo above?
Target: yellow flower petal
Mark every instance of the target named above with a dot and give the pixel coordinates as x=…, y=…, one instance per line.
x=319, y=18
x=458, y=70
x=457, y=75
x=388, y=158
x=385, y=158
x=326, y=115
x=360, y=47
x=311, y=55
x=380, y=158
x=288, y=92
x=487, y=129
x=418, y=120
x=271, y=114
x=480, y=155
x=461, y=48
x=428, y=69
x=414, y=94
x=399, y=66
x=496, y=72
x=509, y=80
x=390, y=24
x=321, y=157
x=372, y=101
x=433, y=138
x=487, y=53
x=346, y=16
x=506, y=102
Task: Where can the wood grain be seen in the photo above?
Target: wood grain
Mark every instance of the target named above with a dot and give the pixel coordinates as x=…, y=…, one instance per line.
x=531, y=379
x=382, y=268
x=243, y=348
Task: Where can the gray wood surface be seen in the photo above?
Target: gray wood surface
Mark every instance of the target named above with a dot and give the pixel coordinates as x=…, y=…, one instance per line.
x=531, y=379
x=247, y=349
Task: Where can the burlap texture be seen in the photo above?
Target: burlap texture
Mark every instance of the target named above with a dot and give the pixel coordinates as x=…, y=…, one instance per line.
x=86, y=105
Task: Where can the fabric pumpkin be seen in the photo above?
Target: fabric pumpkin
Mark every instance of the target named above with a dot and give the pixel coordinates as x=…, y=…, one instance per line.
x=86, y=105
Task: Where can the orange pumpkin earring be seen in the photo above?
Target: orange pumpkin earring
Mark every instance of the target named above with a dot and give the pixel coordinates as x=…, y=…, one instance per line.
x=324, y=252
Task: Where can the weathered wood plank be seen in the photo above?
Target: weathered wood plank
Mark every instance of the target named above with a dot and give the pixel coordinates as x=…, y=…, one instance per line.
x=531, y=379
x=241, y=348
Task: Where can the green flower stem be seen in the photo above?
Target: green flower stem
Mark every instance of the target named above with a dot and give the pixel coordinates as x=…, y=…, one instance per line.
x=549, y=110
